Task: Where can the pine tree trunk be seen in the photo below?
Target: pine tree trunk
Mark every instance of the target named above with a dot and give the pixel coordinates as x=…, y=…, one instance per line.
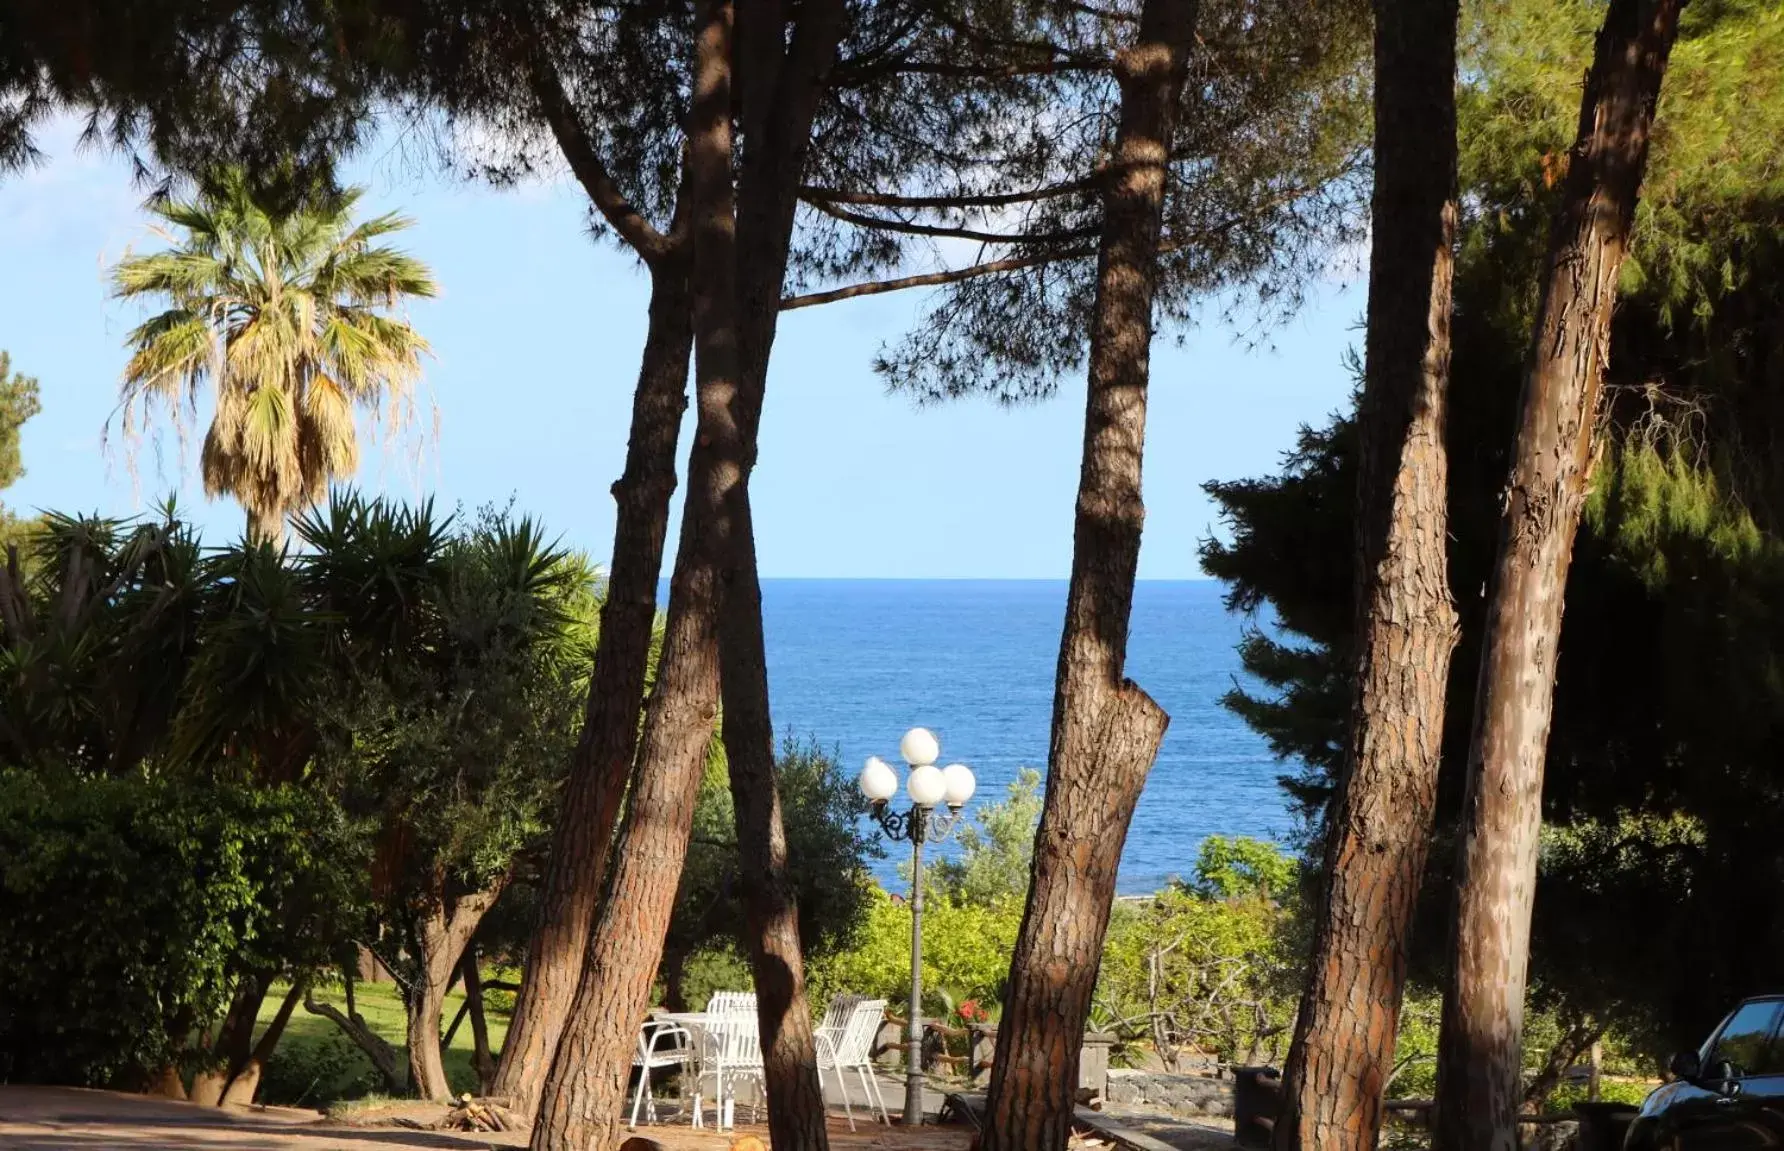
x=580, y=1107
x=1379, y=832
x=789, y=1052
x=1478, y=1069
x=1106, y=730
x=781, y=81
x=603, y=765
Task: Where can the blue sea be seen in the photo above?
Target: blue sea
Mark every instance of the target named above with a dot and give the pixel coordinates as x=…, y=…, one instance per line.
x=854, y=663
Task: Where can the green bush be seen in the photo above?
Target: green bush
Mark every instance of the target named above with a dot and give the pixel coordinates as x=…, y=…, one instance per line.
x=1609, y=1091
x=995, y=851
x=719, y=968
x=966, y=953
x=132, y=906
x=1415, y=1052
x=1209, y=966
x=318, y=1072
x=828, y=849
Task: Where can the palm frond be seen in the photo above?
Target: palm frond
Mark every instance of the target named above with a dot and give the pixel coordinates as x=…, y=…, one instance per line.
x=376, y=277
x=327, y=443
x=174, y=350
x=283, y=315
x=183, y=273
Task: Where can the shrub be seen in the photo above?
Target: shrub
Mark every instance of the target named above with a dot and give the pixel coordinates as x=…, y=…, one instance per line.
x=317, y=1072
x=131, y=907
x=1210, y=965
x=966, y=954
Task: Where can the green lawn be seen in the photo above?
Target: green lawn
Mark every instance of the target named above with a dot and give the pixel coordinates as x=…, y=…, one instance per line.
x=316, y=1064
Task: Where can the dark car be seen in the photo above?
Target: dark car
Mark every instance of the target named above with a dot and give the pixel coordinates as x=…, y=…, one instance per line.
x=1728, y=1095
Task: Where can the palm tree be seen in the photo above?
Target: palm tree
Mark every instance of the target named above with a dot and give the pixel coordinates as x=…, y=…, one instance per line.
x=287, y=314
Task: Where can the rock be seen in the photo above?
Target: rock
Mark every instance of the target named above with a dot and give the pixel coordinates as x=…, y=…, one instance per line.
x=1178, y=1094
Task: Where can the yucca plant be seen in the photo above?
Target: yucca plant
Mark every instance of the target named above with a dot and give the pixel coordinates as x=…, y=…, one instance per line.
x=288, y=317
x=95, y=634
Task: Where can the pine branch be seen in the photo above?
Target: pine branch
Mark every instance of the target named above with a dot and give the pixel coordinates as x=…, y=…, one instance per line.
x=861, y=77
x=949, y=231
x=964, y=200
x=930, y=279
x=625, y=218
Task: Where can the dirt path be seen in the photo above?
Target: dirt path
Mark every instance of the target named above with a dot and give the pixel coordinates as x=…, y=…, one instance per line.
x=71, y=1119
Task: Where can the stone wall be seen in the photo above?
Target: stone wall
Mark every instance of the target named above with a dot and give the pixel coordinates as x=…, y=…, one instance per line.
x=1181, y=1094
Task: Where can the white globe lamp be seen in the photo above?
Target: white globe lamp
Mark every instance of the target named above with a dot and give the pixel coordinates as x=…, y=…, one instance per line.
x=927, y=785
x=958, y=783
x=878, y=781
x=919, y=747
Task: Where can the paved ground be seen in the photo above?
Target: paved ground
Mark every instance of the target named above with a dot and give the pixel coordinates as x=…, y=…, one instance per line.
x=70, y=1119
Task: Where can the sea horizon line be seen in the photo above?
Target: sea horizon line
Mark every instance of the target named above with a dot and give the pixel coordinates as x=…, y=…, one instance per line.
x=1060, y=580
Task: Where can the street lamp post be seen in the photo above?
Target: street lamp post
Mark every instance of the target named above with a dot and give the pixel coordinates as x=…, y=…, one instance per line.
x=928, y=786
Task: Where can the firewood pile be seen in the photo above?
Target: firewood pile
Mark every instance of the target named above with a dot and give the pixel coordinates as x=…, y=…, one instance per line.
x=469, y=1114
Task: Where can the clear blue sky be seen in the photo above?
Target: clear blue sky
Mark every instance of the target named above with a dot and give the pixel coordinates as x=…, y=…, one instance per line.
x=537, y=334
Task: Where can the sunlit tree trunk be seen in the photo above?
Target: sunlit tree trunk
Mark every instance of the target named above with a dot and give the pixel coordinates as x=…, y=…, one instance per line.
x=235, y=1042
x=1106, y=730
x=580, y=1107
x=602, y=767
x=441, y=935
x=1379, y=831
x=781, y=80
x=244, y=1082
x=482, y=1062
x=1479, y=1055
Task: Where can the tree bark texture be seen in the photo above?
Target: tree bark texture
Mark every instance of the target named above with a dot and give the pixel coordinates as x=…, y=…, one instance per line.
x=1106, y=730
x=581, y=1104
x=596, y=786
x=1478, y=1080
x=441, y=938
x=234, y=1045
x=481, y=1060
x=244, y=1082
x=606, y=752
x=781, y=80
x=1379, y=832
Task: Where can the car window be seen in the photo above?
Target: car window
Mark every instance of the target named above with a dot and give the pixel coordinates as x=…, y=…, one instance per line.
x=1745, y=1040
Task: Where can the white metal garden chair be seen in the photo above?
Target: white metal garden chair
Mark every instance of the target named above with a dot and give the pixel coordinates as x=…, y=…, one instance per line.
x=727, y=1002
x=836, y=1016
x=849, y=1047
x=731, y=1049
x=660, y=1044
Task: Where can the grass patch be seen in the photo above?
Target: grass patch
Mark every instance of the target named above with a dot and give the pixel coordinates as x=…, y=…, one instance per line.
x=317, y=1066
